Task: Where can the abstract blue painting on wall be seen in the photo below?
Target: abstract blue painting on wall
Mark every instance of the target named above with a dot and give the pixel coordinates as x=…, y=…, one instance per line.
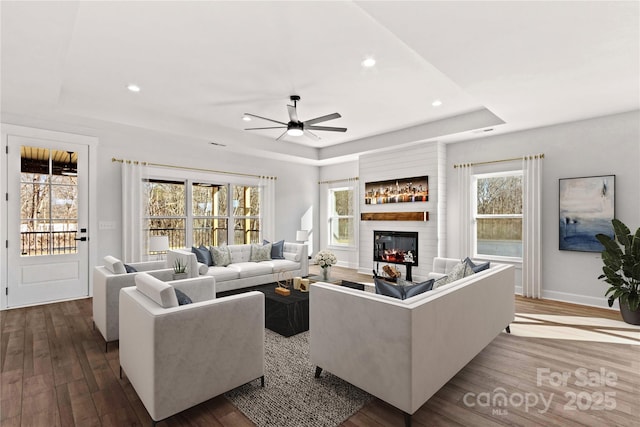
x=586, y=209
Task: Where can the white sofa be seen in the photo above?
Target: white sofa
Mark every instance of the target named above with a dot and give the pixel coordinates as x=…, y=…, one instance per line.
x=404, y=351
x=242, y=272
x=108, y=279
x=179, y=356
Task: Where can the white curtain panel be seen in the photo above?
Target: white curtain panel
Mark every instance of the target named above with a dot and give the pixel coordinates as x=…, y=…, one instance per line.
x=532, y=240
x=268, y=208
x=133, y=237
x=464, y=210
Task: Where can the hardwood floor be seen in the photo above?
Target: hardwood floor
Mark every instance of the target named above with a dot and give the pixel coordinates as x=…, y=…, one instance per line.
x=54, y=372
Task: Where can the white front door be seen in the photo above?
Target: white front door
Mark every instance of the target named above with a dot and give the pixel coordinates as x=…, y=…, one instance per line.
x=47, y=249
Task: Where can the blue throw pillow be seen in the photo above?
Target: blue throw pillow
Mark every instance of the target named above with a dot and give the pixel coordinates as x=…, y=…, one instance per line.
x=388, y=289
x=277, y=249
x=183, y=299
x=417, y=288
x=477, y=267
x=129, y=268
x=203, y=255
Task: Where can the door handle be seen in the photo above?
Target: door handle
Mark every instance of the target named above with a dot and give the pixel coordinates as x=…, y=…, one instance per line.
x=82, y=239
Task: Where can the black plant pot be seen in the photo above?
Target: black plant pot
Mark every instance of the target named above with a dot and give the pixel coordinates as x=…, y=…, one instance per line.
x=631, y=317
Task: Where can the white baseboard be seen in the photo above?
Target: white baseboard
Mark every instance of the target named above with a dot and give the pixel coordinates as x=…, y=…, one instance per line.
x=600, y=302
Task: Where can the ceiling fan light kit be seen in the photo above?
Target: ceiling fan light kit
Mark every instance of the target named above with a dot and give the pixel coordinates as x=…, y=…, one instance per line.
x=295, y=127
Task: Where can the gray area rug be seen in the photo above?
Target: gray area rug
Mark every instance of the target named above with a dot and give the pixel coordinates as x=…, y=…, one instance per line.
x=292, y=396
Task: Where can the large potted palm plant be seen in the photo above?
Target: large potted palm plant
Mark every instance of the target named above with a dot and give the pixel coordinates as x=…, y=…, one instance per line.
x=621, y=270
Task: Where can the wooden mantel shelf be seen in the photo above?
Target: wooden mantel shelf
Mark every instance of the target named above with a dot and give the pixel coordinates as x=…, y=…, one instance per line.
x=394, y=216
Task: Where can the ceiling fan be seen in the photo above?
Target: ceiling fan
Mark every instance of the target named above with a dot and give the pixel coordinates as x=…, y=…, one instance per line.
x=295, y=127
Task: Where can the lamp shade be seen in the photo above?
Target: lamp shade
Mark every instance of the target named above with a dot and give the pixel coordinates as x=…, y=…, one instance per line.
x=158, y=243
x=302, y=235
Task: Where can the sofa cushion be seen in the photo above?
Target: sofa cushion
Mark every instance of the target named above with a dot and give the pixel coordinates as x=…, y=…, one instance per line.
x=158, y=291
x=282, y=265
x=461, y=270
x=114, y=265
x=388, y=289
x=130, y=269
x=221, y=255
x=250, y=269
x=260, y=252
x=222, y=273
x=203, y=254
x=277, y=249
x=183, y=299
x=477, y=268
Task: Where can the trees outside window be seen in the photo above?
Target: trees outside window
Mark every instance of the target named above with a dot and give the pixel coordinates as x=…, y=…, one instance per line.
x=198, y=213
x=341, y=221
x=498, y=214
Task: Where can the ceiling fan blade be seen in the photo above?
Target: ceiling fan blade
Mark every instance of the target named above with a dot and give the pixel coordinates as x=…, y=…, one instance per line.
x=264, y=118
x=323, y=118
x=270, y=127
x=293, y=114
x=326, y=128
x=311, y=134
x=280, y=137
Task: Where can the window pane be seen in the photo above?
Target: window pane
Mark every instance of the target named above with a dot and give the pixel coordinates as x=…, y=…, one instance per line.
x=63, y=201
x=499, y=236
x=63, y=237
x=343, y=202
x=341, y=231
x=209, y=200
x=246, y=201
x=165, y=198
x=500, y=195
x=246, y=231
x=174, y=228
x=34, y=238
x=209, y=231
x=34, y=200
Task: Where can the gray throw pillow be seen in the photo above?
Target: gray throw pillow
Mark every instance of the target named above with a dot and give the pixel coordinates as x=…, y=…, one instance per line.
x=461, y=270
x=202, y=255
x=260, y=252
x=221, y=255
x=277, y=249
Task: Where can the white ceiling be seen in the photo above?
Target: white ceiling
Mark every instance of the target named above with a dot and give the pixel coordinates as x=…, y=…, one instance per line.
x=501, y=65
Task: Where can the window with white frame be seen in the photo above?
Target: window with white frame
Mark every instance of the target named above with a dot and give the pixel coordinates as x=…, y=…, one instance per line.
x=197, y=212
x=498, y=214
x=341, y=218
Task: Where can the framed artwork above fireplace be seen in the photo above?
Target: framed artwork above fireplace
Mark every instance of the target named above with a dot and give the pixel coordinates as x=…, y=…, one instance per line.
x=402, y=190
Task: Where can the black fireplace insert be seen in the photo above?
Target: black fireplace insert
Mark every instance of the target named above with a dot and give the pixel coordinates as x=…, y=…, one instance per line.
x=396, y=247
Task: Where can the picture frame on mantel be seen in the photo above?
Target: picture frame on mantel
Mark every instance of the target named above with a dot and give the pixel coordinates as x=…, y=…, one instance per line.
x=587, y=206
x=402, y=190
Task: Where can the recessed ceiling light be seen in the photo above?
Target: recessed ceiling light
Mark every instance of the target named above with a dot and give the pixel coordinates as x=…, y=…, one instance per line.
x=133, y=88
x=369, y=62
x=436, y=103
x=246, y=118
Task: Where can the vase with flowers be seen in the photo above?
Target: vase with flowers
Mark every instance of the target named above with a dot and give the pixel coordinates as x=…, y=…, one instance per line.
x=325, y=260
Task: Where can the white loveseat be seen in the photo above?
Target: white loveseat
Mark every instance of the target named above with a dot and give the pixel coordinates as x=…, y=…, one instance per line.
x=108, y=279
x=404, y=351
x=177, y=356
x=242, y=272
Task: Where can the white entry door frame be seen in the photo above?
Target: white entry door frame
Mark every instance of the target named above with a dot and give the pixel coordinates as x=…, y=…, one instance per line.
x=28, y=280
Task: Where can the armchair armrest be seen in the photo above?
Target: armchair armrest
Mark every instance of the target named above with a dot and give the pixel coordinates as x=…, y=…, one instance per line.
x=198, y=289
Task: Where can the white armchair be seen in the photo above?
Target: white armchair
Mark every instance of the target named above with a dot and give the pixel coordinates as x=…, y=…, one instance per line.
x=179, y=356
x=107, y=282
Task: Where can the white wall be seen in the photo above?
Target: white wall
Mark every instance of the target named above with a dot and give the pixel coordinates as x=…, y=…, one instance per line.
x=601, y=146
x=417, y=160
